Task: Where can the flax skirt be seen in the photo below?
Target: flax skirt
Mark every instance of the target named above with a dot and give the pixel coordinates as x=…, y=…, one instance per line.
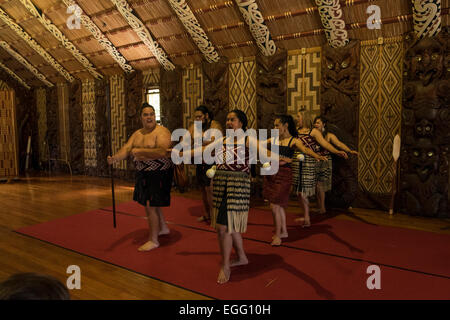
x=277, y=187
x=231, y=200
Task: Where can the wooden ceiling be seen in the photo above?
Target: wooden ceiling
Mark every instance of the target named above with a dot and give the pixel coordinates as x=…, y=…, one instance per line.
x=221, y=20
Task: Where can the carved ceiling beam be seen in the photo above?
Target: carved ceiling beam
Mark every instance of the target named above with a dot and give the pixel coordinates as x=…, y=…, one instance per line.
x=258, y=28
x=194, y=28
x=15, y=76
x=25, y=63
x=33, y=44
x=427, y=17
x=61, y=37
x=101, y=38
x=331, y=16
x=141, y=30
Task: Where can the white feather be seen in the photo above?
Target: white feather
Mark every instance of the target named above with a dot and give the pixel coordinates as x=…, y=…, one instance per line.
x=396, y=147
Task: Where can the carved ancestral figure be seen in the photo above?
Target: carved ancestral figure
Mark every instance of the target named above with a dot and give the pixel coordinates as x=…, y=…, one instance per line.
x=170, y=99
x=215, y=77
x=270, y=87
x=425, y=127
x=339, y=104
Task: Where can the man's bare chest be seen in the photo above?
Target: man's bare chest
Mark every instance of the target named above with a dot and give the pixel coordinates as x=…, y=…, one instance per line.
x=145, y=140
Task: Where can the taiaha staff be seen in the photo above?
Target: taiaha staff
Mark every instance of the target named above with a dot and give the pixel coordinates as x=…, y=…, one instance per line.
x=395, y=155
x=111, y=171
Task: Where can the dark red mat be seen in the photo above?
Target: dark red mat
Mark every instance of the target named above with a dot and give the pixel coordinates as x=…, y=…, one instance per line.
x=404, y=248
x=189, y=258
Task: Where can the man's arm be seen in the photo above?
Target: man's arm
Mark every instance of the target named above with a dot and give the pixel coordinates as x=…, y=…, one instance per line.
x=124, y=152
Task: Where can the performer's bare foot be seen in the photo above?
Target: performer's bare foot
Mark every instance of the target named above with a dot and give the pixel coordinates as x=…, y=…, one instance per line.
x=149, y=245
x=164, y=231
x=276, y=241
x=239, y=262
x=305, y=224
x=284, y=235
x=203, y=218
x=224, y=275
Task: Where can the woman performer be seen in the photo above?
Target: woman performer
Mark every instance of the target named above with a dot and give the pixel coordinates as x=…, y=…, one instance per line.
x=309, y=173
x=324, y=178
x=206, y=117
x=277, y=187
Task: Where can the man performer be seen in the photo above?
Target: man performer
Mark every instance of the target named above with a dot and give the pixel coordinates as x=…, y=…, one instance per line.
x=148, y=147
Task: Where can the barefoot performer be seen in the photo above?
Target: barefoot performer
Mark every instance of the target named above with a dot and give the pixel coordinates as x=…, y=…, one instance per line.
x=277, y=187
x=206, y=117
x=148, y=146
x=326, y=172
x=310, y=168
x=231, y=190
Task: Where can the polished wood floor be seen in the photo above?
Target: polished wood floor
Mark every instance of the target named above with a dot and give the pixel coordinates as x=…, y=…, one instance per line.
x=36, y=199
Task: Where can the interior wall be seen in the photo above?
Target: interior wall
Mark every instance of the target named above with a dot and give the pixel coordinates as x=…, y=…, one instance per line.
x=8, y=133
x=242, y=89
x=380, y=112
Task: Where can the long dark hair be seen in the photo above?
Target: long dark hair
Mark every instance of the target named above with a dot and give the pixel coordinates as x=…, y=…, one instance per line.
x=325, y=128
x=242, y=117
x=285, y=118
x=204, y=109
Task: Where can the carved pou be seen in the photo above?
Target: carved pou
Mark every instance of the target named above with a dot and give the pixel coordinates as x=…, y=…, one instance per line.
x=171, y=99
x=270, y=87
x=215, y=77
x=425, y=127
x=339, y=105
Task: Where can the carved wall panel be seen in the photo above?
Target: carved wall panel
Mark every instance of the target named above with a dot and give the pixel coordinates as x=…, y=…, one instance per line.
x=118, y=117
x=26, y=121
x=41, y=105
x=75, y=127
x=171, y=99
x=425, y=127
x=215, y=77
x=9, y=166
x=52, y=125
x=271, y=88
x=242, y=89
x=303, y=81
x=339, y=106
x=379, y=113
x=89, y=125
x=102, y=127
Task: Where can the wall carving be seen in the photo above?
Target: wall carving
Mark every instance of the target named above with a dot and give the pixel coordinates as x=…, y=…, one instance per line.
x=425, y=127
x=339, y=106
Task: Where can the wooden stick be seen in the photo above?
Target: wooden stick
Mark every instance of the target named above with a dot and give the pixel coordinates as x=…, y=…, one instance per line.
x=111, y=169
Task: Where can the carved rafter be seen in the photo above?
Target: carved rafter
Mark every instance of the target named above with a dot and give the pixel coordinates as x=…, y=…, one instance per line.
x=141, y=30
x=194, y=28
x=255, y=21
x=61, y=37
x=33, y=44
x=15, y=76
x=101, y=38
x=26, y=64
x=427, y=17
x=335, y=29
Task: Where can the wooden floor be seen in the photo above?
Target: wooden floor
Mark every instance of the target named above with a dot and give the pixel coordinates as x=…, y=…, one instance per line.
x=32, y=200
